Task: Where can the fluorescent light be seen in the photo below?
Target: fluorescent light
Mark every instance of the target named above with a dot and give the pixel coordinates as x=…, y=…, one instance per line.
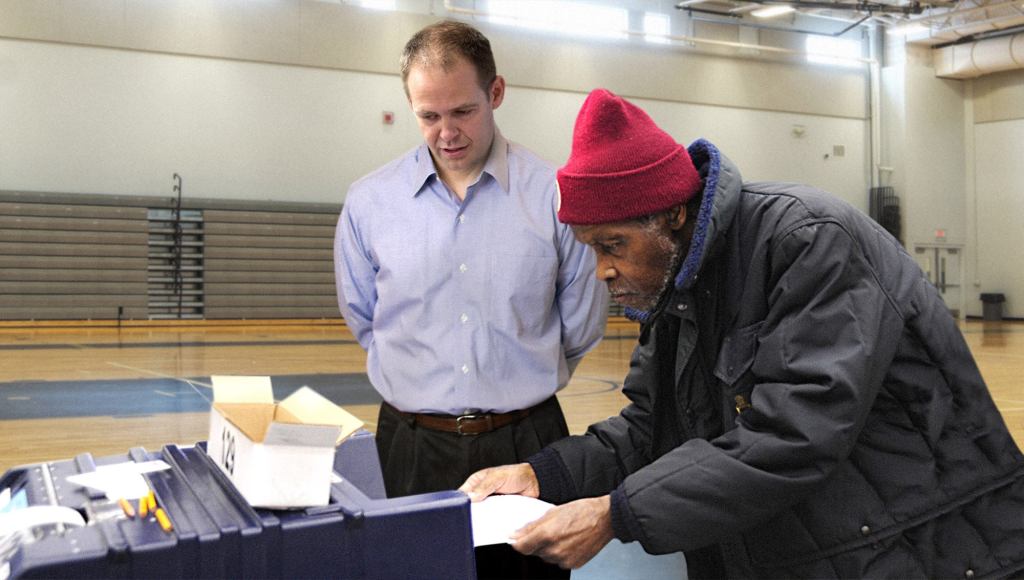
x=377, y=4
x=834, y=51
x=907, y=29
x=656, y=28
x=773, y=10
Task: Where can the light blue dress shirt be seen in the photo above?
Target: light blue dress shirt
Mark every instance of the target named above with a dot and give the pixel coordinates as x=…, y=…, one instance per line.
x=484, y=305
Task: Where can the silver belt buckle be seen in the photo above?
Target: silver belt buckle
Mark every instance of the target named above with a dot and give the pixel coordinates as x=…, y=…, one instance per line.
x=460, y=419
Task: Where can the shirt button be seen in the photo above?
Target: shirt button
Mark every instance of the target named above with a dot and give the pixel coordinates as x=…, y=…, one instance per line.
x=464, y=319
x=681, y=307
x=463, y=267
x=465, y=369
x=462, y=218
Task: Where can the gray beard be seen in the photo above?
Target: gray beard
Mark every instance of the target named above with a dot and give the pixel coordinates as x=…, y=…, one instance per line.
x=668, y=280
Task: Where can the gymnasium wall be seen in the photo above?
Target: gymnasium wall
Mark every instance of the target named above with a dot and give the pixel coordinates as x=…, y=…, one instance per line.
x=995, y=186
x=282, y=102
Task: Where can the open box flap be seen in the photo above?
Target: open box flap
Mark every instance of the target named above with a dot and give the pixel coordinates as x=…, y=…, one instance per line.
x=246, y=402
x=228, y=389
x=252, y=420
x=311, y=408
x=290, y=434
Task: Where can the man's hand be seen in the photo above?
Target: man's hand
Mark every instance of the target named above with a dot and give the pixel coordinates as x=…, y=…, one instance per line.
x=568, y=535
x=507, y=479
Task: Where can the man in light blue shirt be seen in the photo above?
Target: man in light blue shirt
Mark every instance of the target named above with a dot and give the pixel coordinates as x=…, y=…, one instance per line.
x=473, y=302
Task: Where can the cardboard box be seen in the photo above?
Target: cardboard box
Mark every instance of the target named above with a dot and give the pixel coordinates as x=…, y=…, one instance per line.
x=278, y=455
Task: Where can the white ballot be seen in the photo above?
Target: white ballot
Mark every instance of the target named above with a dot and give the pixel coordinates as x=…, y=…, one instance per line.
x=120, y=480
x=497, y=517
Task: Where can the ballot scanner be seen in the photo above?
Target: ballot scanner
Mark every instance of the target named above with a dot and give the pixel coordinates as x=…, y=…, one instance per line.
x=217, y=534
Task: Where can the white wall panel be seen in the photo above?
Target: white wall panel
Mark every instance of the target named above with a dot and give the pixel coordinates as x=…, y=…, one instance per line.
x=92, y=120
x=1000, y=206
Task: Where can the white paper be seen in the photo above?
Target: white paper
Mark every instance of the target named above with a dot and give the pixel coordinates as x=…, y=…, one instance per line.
x=39, y=515
x=121, y=480
x=497, y=517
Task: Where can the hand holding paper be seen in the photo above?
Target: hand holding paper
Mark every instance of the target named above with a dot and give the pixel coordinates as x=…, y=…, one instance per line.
x=497, y=517
x=568, y=535
x=517, y=479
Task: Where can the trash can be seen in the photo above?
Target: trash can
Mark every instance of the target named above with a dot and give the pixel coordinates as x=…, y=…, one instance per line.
x=992, y=306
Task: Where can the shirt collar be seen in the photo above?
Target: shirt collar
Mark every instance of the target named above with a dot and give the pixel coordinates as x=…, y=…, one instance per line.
x=496, y=165
x=497, y=161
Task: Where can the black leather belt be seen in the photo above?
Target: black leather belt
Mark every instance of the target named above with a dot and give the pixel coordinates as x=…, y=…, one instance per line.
x=469, y=424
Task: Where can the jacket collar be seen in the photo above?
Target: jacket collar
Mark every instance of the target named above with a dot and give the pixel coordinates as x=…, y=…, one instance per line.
x=722, y=184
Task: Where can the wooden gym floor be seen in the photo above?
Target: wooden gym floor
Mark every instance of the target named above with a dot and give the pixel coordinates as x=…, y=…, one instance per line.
x=69, y=388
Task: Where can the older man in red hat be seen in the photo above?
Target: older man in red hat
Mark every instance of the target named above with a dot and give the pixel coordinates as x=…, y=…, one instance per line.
x=802, y=404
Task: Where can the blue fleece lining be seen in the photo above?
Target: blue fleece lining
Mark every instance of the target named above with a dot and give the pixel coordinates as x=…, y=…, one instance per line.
x=701, y=151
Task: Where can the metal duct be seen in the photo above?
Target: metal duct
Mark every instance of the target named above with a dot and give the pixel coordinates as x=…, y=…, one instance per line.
x=974, y=59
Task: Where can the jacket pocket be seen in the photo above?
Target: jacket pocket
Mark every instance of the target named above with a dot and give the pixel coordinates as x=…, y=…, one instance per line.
x=735, y=358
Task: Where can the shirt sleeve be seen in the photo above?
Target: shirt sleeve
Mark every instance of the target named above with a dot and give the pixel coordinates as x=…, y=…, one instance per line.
x=582, y=298
x=355, y=272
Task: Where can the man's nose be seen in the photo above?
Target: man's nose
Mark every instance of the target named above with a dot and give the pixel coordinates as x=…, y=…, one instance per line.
x=449, y=130
x=605, y=271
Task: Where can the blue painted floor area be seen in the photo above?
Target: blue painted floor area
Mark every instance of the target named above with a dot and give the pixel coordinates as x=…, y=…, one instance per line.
x=140, y=397
x=618, y=561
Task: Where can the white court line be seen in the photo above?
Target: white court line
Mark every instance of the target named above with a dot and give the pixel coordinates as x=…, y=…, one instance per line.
x=171, y=395
x=163, y=376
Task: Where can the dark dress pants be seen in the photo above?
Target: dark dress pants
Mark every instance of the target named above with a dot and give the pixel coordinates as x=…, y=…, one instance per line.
x=418, y=460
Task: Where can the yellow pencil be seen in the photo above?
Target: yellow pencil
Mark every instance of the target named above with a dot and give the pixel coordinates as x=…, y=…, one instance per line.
x=144, y=506
x=151, y=500
x=165, y=522
x=126, y=507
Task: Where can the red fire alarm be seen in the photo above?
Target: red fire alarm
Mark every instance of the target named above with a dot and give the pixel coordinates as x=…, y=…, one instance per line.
x=389, y=118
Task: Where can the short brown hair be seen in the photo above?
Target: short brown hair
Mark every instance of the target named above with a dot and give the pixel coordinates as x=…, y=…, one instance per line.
x=441, y=44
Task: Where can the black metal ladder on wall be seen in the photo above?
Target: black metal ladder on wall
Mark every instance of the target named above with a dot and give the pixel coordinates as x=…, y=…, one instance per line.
x=175, y=269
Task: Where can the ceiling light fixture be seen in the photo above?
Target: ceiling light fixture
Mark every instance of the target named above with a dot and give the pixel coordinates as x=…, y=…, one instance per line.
x=907, y=29
x=773, y=11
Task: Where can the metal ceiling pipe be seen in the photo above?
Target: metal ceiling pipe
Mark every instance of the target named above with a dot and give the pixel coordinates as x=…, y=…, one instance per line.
x=972, y=60
x=757, y=26
x=861, y=6
x=453, y=9
x=976, y=27
x=963, y=12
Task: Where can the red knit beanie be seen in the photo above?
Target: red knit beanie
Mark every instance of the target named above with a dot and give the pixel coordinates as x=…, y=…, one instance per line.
x=622, y=166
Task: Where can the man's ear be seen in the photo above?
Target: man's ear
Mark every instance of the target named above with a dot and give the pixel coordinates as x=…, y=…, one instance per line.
x=677, y=217
x=497, y=94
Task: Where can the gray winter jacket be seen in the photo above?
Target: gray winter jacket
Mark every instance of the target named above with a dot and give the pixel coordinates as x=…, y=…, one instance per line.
x=802, y=405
